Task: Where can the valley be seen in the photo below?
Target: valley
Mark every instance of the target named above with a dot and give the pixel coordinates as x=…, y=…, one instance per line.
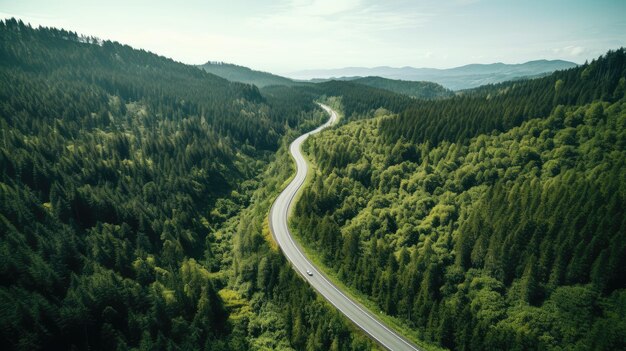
x=149, y=204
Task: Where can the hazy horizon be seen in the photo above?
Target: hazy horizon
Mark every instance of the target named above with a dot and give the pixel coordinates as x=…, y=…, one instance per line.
x=283, y=37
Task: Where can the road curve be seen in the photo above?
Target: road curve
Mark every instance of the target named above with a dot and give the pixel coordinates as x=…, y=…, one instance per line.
x=279, y=214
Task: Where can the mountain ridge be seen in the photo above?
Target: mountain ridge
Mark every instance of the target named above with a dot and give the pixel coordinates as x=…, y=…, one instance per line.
x=237, y=73
x=415, y=89
x=242, y=74
x=455, y=78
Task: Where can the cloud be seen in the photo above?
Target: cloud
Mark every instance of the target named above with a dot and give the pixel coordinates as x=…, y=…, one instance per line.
x=570, y=50
x=324, y=33
x=339, y=17
x=320, y=7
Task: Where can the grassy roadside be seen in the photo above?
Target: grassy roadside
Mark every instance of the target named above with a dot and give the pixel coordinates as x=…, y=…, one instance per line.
x=361, y=298
x=274, y=188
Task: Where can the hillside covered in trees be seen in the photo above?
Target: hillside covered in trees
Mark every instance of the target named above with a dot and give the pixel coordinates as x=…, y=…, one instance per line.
x=127, y=186
x=135, y=191
x=236, y=73
x=493, y=220
x=418, y=90
x=485, y=109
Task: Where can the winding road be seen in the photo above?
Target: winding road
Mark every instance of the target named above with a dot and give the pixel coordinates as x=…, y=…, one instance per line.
x=278, y=219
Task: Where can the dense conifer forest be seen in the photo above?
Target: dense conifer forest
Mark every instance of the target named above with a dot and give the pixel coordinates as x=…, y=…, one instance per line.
x=235, y=73
x=123, y=180
x=418, y=90
x=135, y=192
x=494, y=220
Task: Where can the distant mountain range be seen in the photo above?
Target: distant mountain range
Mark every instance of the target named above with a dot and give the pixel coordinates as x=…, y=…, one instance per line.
x=415, y=82
x=458, y=78
x=236, y=73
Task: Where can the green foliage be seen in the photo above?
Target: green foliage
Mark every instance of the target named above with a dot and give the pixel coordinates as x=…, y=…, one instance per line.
x=511, y=240
x=287, y=311
x=236, y=73
x=503, y=106
x=134, y=190
x=118, y=169
x=483, y=110
x=418, y=90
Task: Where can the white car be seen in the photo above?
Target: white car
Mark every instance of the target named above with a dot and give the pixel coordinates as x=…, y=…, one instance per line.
x=309, y=272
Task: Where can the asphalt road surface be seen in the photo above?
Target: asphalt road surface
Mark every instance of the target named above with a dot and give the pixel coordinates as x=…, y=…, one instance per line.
x=279, y=214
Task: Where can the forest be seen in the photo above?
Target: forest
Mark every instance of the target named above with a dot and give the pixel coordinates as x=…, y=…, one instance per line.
x=132, y=200
x=418, y=90
x=135, y=192
x=505, y=230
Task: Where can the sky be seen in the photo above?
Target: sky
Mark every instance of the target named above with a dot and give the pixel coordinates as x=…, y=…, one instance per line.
x=290, y=35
